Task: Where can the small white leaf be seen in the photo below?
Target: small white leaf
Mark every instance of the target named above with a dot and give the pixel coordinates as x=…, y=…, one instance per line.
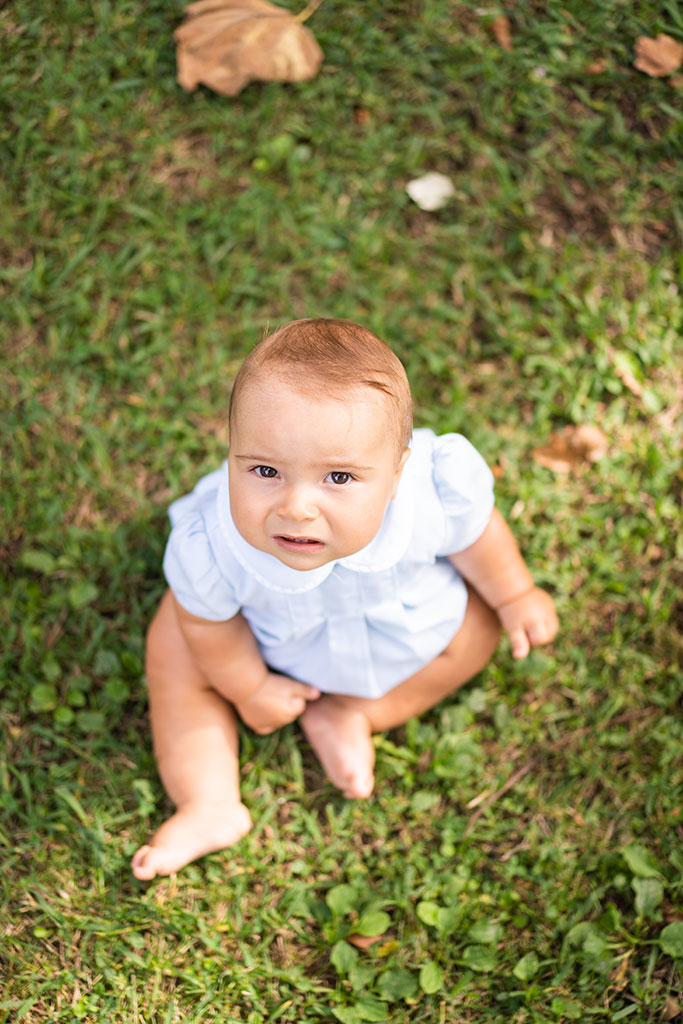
x=431, y=192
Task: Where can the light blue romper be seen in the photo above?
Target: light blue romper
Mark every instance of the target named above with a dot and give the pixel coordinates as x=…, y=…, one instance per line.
x=359, y=625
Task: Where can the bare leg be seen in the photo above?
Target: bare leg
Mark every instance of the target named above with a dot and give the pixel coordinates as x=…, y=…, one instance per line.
x=195, y=742
x=340, y=728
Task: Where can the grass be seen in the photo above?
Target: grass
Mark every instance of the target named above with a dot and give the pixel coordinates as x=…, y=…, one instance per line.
x=522, y=857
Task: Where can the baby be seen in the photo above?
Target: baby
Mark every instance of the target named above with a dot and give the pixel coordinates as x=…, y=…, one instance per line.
x=339, y=569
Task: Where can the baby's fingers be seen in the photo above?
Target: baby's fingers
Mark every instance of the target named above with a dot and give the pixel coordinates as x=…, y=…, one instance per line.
x=520, y=643
x=300, y=693
x=543, y=629
x=299, y=697
x=542, y=633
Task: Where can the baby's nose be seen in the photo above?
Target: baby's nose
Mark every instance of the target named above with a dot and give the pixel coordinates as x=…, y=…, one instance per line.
x=297, y=505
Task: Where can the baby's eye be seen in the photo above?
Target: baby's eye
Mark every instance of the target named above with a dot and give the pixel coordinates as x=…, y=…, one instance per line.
x=267, y=472
x=340, y=478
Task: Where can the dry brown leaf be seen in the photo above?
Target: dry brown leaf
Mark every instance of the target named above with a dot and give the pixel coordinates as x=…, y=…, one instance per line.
x=658, y=57
x=573, y=445
x=500, y=27
x=672, y=1008
x=224, y=44
x=364, y=941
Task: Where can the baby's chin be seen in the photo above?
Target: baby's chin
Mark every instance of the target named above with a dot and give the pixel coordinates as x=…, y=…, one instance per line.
x=301, y=555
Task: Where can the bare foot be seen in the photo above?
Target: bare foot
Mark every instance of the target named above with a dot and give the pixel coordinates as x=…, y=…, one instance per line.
x=193, y=831
x=341, y=738
x=278, y=702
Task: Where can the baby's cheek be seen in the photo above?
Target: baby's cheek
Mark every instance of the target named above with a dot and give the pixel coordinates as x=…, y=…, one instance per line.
x=364, y=526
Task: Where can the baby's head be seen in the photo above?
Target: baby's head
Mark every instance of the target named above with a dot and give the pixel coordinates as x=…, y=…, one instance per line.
x=337, y=359
x=320, y=423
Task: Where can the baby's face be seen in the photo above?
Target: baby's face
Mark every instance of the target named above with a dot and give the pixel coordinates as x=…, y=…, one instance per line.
x=311, y=478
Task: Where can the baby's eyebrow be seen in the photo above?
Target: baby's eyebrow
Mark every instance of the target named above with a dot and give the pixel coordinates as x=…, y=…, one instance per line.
x=331, y=467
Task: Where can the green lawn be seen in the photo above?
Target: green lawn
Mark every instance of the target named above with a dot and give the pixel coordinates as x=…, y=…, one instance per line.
x=522, y=857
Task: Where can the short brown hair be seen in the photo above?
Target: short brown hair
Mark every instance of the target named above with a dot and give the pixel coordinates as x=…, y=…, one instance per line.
x=326, y=354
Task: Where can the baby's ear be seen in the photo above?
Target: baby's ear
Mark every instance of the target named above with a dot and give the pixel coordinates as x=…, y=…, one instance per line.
x=405, y=455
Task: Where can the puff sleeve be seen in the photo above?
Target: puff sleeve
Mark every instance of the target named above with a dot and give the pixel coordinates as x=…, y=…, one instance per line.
x=191, y=565
x=464, y=485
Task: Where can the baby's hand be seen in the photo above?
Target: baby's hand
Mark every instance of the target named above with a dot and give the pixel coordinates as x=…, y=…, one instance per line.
x=277, y=702
x=529, y=620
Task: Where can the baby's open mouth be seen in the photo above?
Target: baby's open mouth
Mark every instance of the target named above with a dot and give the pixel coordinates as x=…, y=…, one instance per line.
x=298, y=542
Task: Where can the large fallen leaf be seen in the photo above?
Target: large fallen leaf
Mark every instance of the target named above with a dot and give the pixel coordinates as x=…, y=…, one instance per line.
x=585, y=443
x=224, y=44
x=658, y=57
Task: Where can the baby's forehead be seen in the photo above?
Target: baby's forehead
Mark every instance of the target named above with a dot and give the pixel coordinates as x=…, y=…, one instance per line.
x=308, y=388
x=262, y=388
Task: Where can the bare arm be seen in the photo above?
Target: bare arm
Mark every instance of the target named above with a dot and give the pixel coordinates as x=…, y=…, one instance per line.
x=496, y=569
x=226, y=653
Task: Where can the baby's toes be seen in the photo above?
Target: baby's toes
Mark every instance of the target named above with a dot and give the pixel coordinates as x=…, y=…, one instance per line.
x=144, y=863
